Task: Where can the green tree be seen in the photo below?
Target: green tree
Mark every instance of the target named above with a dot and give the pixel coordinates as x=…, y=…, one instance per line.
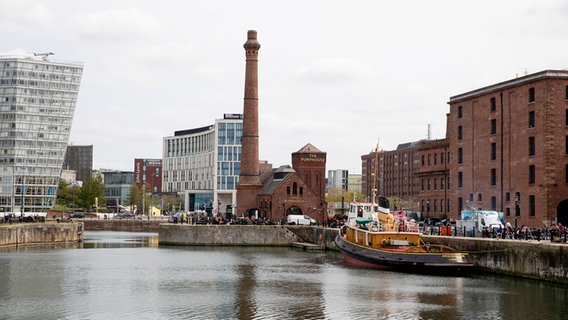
x=92, y=189
x=135, y=197
x=335, y=195
x=66, y=195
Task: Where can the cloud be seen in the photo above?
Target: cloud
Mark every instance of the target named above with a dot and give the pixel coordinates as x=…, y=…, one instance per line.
x=115, y=26
x=25, y=16
x=333, y=70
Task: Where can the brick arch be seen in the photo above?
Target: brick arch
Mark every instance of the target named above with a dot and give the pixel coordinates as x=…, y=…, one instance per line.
x=294, y=210
x=562, y=212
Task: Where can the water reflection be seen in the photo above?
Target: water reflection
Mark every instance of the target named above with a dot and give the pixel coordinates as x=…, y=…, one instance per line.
x=128, y=276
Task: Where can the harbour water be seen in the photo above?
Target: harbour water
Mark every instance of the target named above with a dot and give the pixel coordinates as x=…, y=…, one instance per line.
x=120, y=275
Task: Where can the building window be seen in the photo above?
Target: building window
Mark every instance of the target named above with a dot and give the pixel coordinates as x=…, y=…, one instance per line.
x=493, y=203
x=288, y=190
x=493, y=151
x=567, y=92
x=460, y=132
x=435, y=184
x=507, y=197
x=532, y=205
x=460, y=179
x=567, y=117
x=428, y=184
x=493, y=177
x=422, y=184
x=566, y=173
x=442, y=183
x=442, y=157
x=479, y=197
x=429, y=158
x=435, y=158
x=294, y=188
x=460, y=112
x=435, y=205
x=531, y=119
x=532, y=174
x=508, y=212
x=531, y=146
x=470, y=197
x=493, y=126
x=493, y=104
x=460, y=155
x=531, y=95
x=422, y=160
x=566, y=143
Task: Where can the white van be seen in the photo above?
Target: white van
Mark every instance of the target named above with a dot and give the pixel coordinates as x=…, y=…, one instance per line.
x=300, y=220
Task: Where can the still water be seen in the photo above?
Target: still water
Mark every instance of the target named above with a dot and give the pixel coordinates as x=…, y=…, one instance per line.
x=118, y=275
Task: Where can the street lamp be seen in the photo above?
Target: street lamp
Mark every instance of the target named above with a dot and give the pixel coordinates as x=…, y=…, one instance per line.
x=428, y=211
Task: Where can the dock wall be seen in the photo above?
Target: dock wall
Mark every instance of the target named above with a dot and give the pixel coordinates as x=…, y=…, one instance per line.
x=40, y=233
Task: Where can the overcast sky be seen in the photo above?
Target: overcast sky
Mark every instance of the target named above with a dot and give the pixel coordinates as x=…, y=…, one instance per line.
x=340, y=75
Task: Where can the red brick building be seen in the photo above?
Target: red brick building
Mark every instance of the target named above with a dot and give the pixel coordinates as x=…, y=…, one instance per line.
x=395, y=175
x=509, y=147
x=148, y=175
x=295, y=190
x=434, y=174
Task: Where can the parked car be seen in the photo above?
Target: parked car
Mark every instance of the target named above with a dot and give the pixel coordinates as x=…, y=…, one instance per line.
x=300, y=220
x=77, y=215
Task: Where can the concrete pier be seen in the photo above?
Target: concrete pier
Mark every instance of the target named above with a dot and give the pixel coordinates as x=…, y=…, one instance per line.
x=40, y=233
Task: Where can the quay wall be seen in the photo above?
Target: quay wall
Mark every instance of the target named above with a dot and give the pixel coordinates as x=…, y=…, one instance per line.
x=226, y=235
x=526, y=258
x=541, y=260
x=40, y=233
x=128, y=225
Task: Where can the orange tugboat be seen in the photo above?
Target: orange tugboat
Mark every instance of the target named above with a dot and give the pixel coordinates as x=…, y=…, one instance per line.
x=375, y=238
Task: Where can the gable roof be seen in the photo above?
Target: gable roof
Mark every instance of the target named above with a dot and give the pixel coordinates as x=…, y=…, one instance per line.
x=309, y=148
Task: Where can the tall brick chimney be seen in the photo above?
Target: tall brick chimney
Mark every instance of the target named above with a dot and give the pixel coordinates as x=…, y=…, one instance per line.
x=249, y=179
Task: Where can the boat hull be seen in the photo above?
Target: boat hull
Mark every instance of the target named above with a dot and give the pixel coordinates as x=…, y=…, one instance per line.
x=421, y=262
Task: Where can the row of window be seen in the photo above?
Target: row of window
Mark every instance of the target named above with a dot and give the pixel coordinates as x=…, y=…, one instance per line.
x=432, y=206
x=434, y=157
x=432, y=184
x=516, y=207
x=493, y=102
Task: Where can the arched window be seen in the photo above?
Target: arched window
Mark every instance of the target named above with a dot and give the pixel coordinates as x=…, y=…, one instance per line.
x=294, y=188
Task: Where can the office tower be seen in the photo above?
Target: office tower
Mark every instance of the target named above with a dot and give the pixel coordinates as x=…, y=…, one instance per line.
x=37, y=103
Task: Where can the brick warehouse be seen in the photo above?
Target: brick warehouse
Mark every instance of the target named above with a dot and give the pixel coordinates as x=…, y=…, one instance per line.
x=509, y=147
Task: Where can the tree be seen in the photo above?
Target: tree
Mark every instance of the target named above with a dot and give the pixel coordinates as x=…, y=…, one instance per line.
x=135, y=198
x=335, y=195
x=66, y=195
x=93, y=189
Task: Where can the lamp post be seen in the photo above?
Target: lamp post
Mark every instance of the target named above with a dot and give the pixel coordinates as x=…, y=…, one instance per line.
x=428, y=211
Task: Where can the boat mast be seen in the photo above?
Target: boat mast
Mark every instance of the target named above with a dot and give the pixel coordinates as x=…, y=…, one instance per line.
x=374, y=191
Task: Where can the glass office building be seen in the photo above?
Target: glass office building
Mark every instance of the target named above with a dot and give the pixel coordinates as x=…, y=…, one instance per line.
x=203, y=164
x=37, y=103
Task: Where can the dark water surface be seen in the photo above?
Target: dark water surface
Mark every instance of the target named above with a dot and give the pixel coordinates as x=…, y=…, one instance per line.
x=119, y=275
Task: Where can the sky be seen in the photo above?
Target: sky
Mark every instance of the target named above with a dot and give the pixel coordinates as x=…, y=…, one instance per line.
x=341, y=75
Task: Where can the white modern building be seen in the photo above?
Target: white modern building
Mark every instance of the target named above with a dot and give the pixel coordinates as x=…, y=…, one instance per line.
x=203, y=164
x=37, y=103
x=337, y=179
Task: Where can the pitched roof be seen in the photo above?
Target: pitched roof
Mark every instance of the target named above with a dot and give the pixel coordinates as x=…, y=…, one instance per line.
x=273, y=179
x=309, y=148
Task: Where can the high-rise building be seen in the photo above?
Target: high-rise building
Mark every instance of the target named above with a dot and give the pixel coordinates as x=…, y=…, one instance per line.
x=79, y=159
x=37, y=103
x=204, y=164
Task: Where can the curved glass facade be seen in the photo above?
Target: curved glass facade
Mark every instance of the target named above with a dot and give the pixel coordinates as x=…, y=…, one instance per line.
x=37, y=103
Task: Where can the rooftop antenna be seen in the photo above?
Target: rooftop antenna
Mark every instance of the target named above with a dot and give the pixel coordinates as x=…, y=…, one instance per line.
x=429, y=136
x=43, y=55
